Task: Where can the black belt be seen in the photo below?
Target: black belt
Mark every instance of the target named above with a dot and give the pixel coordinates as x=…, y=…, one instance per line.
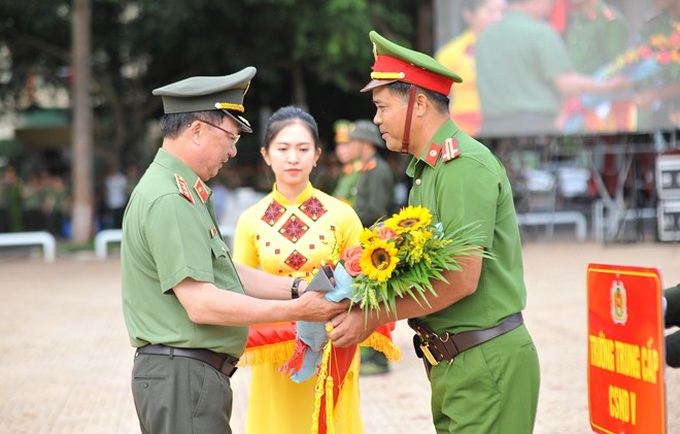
x=447, y=346
x=224, y=363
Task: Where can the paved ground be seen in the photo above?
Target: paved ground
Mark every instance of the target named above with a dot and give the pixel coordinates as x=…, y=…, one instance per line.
x=65, y=359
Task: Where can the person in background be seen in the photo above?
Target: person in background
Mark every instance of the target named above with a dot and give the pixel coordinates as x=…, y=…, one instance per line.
x=186, y=307
x=345, y=188
x=32, y=195
x=459, y=55
x=525, y=95
x=484, y=374
x=115, y=197
x=55, y=205
x=374, y=188
x=658, y=98
x=13, y=187
x=293, y=231
x=595, y=20
x=372, y=200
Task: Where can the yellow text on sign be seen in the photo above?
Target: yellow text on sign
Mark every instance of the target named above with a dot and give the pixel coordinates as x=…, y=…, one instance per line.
x=624, y=358
x=622, y=404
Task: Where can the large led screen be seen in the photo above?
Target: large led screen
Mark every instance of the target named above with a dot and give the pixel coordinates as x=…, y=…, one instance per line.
x=564, y=67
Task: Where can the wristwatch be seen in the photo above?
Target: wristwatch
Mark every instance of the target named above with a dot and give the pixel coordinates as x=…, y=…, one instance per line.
x=294, y=289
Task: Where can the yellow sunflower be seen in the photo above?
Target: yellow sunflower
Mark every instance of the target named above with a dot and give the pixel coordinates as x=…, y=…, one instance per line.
x=367, y=236
x=378, y=260
x=410, y=218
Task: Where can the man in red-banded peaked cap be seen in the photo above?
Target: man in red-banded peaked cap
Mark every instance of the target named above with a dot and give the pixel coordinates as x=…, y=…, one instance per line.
x=396, y=63
x=469, y=331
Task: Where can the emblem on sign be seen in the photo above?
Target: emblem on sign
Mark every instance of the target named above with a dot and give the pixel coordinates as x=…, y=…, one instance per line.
x=619, y=304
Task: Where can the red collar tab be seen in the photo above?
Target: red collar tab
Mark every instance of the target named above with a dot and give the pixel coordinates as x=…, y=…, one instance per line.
x=201, y=189
x=391, y=68
x=433, y=154
x=184, y=188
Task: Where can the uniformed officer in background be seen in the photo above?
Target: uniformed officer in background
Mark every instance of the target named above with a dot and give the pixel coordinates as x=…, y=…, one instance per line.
x=372, y=198
x=345, y=188
x=485, y=373
x=375, y=184
x=186, y=309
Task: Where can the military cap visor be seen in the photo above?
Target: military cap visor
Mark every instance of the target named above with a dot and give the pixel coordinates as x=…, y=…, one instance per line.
x=367, y=131
x=396, y=63
x=203, y=93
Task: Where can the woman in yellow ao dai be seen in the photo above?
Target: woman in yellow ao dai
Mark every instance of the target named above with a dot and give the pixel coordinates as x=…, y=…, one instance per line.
x=291, y=232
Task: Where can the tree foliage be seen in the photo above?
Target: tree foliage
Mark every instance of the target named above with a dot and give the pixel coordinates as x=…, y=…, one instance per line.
x=308, y=52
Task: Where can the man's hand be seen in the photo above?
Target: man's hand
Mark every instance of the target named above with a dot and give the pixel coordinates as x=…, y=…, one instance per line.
x=314, y=307
x=351, y=328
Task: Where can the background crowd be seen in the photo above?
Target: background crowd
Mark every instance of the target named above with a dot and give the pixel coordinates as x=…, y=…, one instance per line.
x=39, y=200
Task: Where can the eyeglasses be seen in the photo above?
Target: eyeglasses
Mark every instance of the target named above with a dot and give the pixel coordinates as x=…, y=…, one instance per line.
x=233, y=137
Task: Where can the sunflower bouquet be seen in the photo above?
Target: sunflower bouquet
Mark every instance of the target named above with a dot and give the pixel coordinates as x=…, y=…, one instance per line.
x=401, y=256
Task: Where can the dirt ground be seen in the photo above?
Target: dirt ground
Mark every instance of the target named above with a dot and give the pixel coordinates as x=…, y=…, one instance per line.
x=65, y=360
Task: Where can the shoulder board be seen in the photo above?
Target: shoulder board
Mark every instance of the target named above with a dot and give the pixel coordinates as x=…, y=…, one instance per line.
x=450, y=149
x=369, y=165
x=608, y=14
x=201, y=189
x=184, y=188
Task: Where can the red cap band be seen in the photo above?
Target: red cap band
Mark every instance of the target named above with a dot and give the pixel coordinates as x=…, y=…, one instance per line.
x=391, y=68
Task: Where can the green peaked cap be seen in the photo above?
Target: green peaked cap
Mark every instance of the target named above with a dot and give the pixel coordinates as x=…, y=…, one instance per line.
x=203, y=93
x=396, y=63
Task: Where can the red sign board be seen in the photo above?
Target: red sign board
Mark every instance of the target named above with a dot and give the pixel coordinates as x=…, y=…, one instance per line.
x=626, y=386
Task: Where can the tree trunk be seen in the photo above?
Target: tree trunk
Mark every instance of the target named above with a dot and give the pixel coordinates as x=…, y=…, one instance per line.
x=82, y=178
x=425, y=30
x=299, y=90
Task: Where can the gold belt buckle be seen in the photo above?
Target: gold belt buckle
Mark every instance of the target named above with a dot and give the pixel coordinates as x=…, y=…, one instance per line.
x=425, y=348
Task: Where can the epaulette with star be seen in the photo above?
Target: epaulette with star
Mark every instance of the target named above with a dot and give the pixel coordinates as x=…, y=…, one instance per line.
x=369, y=165
x=184, y=188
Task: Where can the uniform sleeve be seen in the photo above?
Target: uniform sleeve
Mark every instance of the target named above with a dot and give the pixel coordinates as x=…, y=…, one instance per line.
x=179, y=242
x=245, y=251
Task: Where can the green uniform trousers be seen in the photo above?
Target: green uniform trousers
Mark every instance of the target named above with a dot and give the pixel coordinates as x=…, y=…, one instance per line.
x=490, y=389
x=180, y=396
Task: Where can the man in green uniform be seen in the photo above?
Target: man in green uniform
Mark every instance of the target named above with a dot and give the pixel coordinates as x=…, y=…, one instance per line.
x=185, y=306
x=375, y=184
x=524, y=72
x=485, y=373
x=594, y=20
